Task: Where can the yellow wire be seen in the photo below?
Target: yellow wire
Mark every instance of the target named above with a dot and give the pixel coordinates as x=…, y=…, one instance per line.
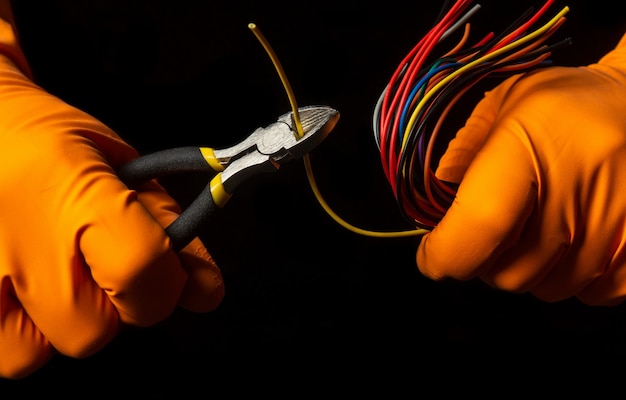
x=281, y=74
x=340, y=221
x=453, y=75
x=307, y=161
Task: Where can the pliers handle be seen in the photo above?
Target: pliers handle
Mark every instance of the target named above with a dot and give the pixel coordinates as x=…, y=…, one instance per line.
x=263, y=151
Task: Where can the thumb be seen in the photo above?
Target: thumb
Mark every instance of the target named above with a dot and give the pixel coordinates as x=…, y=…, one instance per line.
x=495, y=198
x=471, y=137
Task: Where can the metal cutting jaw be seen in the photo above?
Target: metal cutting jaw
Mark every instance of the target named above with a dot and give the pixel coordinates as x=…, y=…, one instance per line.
x=267, y=148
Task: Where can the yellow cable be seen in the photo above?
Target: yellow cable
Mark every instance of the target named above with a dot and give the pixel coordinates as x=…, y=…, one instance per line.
x=307, y=161
x=281, y=74
x=340, y=221
x=453, y=75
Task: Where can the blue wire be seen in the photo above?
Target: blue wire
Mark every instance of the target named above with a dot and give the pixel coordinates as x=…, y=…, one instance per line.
x=417, y=87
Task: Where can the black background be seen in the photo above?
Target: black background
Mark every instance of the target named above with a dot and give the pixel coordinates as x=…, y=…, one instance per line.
x=305, y=297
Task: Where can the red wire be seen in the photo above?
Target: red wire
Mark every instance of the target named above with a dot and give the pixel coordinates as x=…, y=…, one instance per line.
x=523, y=27
x=427, y=204
x=424, y=45
x=419, y=54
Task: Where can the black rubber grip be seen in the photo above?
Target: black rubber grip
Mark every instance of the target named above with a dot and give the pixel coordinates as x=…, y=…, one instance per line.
x=187, y=225
x=170, y=162
x=162, y=163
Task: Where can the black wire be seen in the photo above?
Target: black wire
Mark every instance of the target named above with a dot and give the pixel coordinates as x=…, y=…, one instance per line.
x=405, y=183
x=446, y=6
x=416, y=209
x=511, y=28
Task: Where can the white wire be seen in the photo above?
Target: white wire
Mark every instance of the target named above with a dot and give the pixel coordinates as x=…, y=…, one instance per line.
x=448, y=32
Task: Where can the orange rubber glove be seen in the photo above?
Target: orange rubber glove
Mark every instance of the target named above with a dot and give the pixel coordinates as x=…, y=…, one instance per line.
x=541, y=205
x=80, y=254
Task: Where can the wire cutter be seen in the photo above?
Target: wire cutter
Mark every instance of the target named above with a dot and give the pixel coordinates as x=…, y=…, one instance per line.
x=265, y=150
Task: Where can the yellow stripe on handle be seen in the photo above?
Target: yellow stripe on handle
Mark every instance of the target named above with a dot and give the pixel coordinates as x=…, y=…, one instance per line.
x=220, y=196
x=209, y=157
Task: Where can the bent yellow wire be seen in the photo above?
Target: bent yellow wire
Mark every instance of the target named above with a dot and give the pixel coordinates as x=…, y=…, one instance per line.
x=307, y=162
x=281, y=73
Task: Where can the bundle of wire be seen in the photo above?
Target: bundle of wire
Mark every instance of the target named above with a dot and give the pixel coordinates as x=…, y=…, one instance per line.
x=410, y=111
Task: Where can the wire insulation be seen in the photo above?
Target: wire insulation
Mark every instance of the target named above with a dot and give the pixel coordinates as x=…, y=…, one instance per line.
x=411, y=111
x=307, y=162
x=281, y=73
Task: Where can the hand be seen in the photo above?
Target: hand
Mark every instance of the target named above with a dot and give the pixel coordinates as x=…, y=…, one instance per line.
x=541, y=205
x=80, y=253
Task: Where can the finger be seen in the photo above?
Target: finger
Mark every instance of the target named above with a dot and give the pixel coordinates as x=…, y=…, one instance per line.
x=204, y=289
x=23, y=347
x=75, y=222
x=109, y=261
x=51, y=211
x=467, y=142
x=39, y=239
x=493, y=202
x=130, y=254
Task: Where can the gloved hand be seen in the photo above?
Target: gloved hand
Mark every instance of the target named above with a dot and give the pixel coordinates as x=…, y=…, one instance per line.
x=541, y=205
x=80, y=254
